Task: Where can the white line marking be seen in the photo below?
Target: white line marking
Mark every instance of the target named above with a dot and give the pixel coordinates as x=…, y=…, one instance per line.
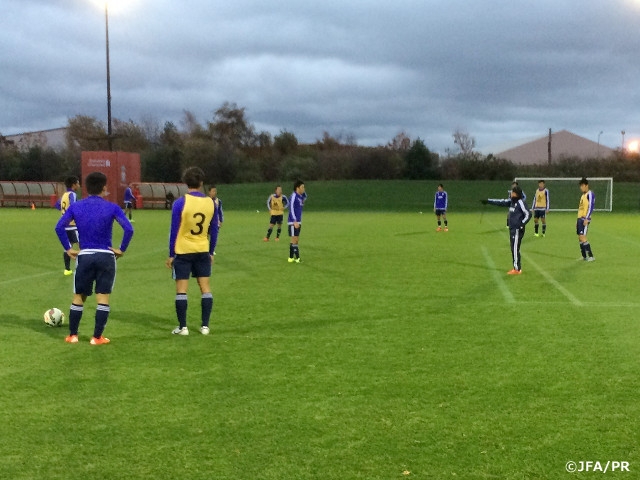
x=28, y=277
x=506, y=293
x=44, y=274
x=554, y=282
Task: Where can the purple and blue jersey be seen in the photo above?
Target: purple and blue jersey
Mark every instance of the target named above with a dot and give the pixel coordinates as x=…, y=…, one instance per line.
x=128, y=196
x=296, y=202
x=440, y=201
x=94, y=217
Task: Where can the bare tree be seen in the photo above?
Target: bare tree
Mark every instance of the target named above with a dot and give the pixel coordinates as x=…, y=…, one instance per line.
x=465, y=142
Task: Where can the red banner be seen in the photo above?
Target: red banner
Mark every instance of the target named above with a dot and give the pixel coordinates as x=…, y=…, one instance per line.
x=121, y=169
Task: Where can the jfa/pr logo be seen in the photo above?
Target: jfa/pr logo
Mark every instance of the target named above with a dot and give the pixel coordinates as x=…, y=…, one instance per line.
x=600, y=467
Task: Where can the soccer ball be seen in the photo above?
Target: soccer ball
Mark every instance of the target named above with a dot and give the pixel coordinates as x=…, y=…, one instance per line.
x=54, y=317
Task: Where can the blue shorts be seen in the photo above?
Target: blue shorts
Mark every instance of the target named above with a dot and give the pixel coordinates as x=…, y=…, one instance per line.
x=94, y=266
x=128, y=204
x=276, y=219
x=293, y=231
x=72, y=235
x=186, y=265
x=440, y=211
x=539, y=214
x=581, y=228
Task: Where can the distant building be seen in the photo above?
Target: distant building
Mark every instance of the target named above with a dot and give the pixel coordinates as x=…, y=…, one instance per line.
x=54, y=138
x=564, y=144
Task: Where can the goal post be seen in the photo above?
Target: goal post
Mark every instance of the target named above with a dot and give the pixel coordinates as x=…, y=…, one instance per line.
x=564, y=192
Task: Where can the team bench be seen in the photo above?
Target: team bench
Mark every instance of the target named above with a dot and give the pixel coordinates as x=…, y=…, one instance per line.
x=29, y=194
x=158, y=195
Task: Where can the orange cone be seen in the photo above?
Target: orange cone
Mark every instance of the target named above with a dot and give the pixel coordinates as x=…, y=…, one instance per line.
x=33, y=206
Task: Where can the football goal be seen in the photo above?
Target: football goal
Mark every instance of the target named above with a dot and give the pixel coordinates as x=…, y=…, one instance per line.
x=564, y=193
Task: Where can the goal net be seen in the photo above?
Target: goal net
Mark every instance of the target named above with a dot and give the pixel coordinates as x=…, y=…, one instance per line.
x=564, y=193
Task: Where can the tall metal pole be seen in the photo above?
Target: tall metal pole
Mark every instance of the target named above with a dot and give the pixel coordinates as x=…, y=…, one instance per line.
x=622, y=132
x=109, y=132
x=599, y=143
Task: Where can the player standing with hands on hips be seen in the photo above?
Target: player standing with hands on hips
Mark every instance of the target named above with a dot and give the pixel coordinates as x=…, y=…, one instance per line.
x=96, y=260
x=192, y=241
x=585, y=209
x=296, y=202
x=440, y=204
x=518, y=217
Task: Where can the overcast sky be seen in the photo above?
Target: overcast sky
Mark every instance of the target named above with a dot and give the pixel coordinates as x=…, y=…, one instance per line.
x=501, y=70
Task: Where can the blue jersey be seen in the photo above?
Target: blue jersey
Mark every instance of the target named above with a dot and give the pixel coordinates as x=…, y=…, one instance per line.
x=128, y=195
x=296, y=202
x=519, y=214
x=441, y=201
x=219, y=213
x=94, y=217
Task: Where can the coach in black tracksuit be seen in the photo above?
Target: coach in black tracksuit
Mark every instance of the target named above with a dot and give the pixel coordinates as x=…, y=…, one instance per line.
x=518, y=217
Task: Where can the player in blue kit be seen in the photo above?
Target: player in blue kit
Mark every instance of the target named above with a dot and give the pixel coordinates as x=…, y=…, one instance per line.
x=294, y=221
x=192, y=241
x=518, y=217
x=219, y=213
x=129, y=201
x=96, y=259
x=508, y=199
x=69, y=197
x=440, y=204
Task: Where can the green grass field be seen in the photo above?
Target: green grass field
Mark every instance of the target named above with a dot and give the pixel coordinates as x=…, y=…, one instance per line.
x=391, y=352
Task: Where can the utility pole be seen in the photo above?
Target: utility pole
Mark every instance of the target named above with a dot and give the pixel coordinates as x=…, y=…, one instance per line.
x=109, y=131
x=549, y=148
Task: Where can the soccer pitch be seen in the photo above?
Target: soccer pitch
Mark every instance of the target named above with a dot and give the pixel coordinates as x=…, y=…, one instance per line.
x=391, y=352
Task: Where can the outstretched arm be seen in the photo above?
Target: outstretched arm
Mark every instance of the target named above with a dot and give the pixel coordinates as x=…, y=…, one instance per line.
x=499, y=202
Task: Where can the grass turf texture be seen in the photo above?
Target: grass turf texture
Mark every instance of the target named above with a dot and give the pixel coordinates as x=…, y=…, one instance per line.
x=392, y=351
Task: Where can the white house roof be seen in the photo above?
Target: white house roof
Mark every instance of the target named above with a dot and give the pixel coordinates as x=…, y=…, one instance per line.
x=53, y=138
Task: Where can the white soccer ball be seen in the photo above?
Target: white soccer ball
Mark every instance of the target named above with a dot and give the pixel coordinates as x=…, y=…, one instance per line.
x=54, y=317
x=257, y=211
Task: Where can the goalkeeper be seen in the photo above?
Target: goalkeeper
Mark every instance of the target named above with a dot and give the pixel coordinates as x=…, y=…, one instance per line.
x=518, y=217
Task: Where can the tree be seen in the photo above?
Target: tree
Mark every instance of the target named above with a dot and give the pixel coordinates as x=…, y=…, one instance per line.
x=285, y=142
x=129, y=137
x=465, y=142
x=86, y=133
x=420, y=163
x=230, y=125
x=400, y=143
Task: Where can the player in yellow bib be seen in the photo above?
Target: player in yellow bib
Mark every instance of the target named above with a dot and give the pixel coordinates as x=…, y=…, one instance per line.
x=540, y=208
x=69, y=197
x=192, y=241
x=585, y=208
x=276, y=204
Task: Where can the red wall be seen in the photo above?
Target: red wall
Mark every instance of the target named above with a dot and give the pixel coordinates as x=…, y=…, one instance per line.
x=121, y=169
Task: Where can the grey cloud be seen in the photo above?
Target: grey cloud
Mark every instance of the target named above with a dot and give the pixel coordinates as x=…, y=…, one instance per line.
x=499, y=69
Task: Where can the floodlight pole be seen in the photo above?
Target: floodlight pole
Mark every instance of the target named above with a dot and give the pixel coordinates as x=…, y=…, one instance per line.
x=109, y=131
x=622, y=132
x=599, y=143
